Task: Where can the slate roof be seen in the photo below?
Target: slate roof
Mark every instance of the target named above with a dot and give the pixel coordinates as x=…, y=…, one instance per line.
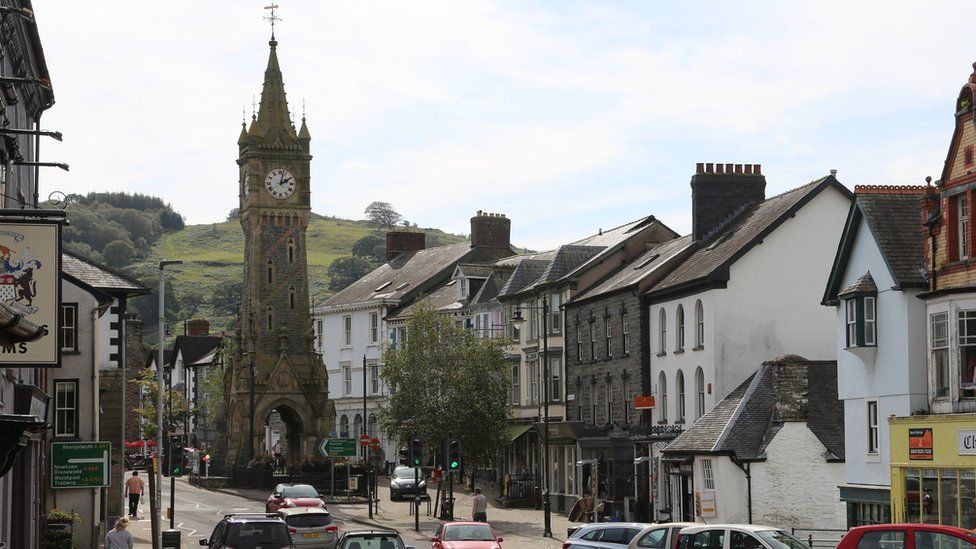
x=443, y=298
x=406, y=274
x=644, y=265
x=712, y=259
x=474, y=270
x=893, y=215
x=99, y=276
x=744, y=422
x=193, y=348
x=489, y=290
x=527, y=272
x=862, y=285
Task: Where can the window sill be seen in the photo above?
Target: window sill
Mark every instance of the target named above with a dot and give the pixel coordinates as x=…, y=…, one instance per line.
x=697, y=347
x=679, y=421
x=875, y=346
x=662, y=422
x=66, y=438
x=662, y=354
x=872, y=457
x=678, y=351
x=70, y=352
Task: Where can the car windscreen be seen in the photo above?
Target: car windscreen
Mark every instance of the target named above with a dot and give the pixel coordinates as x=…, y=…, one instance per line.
x=309, y=520
x=407, y=472
x=372, y=541
x=299, y=491
x=258, y=535
x=468, y=532
x=778, y=539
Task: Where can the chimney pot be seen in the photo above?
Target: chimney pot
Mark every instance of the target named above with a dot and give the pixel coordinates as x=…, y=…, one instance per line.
x=728, y=168
x=700, y=167
x=748, y=169
x=708, y=167
x=719, y=168
x=738, y=168
x=757, y=169
x=833, y=173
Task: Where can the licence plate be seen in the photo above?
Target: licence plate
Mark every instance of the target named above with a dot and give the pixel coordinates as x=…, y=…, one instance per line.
x=311, y=536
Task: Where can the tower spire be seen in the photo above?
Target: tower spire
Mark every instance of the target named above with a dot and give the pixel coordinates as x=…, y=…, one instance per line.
x=273, y=111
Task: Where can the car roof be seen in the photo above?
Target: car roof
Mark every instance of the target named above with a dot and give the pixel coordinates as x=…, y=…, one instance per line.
x=367, y=532
x=673, y=525
x=904, y=525
x=601, y=525
x=252, y=517
x=303, y=511
x=741, y=527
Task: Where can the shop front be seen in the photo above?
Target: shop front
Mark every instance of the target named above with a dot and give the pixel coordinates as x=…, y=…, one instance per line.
x=652, y=487
x=933, y=469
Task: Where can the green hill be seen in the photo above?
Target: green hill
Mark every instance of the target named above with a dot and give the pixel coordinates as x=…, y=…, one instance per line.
x=209, y=281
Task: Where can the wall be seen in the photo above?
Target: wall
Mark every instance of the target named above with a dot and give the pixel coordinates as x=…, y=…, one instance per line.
x=894, y=376
x=731, y=504
x=796, y=486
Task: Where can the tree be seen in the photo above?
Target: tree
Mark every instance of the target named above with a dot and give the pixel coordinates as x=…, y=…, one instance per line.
x=372, y=247
x=382, y=214
x=175, y=408
x=233, y=214
x=171, y=220
x=346, y=270
x=118, y=253
x=448, y=383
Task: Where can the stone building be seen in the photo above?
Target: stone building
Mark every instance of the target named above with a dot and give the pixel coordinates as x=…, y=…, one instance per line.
x=275, y=354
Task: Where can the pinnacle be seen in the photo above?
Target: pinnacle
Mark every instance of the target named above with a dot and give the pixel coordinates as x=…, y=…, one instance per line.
x=273, y=112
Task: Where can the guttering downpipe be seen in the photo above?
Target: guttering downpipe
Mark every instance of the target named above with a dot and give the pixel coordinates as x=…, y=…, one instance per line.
x=747, y=469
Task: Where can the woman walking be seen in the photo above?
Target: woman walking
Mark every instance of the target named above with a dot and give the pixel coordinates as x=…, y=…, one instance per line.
x=119, y=537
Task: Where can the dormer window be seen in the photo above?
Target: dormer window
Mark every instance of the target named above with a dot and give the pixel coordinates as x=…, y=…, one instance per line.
x=860, y=312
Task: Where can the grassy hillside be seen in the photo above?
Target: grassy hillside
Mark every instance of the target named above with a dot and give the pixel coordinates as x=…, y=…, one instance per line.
x=209, y=281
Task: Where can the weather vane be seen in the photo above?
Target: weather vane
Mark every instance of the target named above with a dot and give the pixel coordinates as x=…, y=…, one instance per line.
x=273, y=17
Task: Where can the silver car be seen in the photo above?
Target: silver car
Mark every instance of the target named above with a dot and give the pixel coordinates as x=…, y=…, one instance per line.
x=604, y=535
x=660, y=536
x=310, y=527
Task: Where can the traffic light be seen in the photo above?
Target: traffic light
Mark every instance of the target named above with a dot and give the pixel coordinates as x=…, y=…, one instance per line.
x=453, y=455
x=416, y=452
x=173, y=457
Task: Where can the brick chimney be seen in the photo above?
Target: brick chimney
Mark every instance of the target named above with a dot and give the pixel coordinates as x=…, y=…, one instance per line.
x=491, y=230
x=398, y=242
x=198, y=326
x=720, y=191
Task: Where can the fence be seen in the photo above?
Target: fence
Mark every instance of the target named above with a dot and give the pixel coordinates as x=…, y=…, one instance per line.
x=819, y=537
x=329, y=483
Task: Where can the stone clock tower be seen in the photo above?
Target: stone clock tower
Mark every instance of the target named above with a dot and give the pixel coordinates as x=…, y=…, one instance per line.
x=274, y=337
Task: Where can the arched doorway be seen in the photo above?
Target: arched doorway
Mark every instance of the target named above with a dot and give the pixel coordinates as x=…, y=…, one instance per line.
x=283, y=434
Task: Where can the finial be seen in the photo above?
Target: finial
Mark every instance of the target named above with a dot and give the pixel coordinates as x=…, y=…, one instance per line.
x=273, y=18
x=243, y=113
x=254, y=107
x=303, y=109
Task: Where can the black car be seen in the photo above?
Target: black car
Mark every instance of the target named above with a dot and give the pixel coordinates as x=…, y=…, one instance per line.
x=249, y=530
x=371, y=539
x=403, y=482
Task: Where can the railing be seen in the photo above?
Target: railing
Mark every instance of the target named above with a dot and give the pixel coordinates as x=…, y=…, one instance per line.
x=521, y=487
x=819, y=537
x=325, y=482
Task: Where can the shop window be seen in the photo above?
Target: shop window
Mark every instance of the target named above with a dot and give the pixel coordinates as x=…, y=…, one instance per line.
x=967, y=354
x=862, y=325
x=863, y=514
x=930, y=496
x=967, y=488
x=872, y=426
x=948, y=500
x=913, y=496
x=885, y=539
x=939, y=334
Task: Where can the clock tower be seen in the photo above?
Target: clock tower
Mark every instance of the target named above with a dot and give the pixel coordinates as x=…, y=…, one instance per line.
x=276, y=367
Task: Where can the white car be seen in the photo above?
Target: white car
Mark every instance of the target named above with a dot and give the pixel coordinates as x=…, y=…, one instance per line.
x=660, y=536
x=310, y=527
x=737, y=536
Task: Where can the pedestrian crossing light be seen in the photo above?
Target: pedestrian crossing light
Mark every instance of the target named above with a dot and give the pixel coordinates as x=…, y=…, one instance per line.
x=416, y=452
x=173, y=457
x=454, y=455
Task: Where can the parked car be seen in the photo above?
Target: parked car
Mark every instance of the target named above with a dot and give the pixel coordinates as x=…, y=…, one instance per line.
x=660, y=536
x=372, y=539
x=465, y=535
x=737, y=536
x=285, y=496
x=249, y=530
x=310, y=527
x=403, y=482
x=908, y=536
x=610, y=535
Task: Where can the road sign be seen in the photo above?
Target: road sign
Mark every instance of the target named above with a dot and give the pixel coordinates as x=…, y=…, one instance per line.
x=374, y=445
x=81, y=464
x=364, y=440
x=338, y=447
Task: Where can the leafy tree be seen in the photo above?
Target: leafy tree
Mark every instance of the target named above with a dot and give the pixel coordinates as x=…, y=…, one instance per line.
x=171, y=220
x=372, y=247
x=83, y=249
x=233, y=214
x=118, y=253
x=175, y=407
x=382, y=214
x=448, y=383
x=346, y=270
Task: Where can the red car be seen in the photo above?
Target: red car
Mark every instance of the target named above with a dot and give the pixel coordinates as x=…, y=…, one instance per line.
x=908, y=536
x=465, y=535
x=293, y=495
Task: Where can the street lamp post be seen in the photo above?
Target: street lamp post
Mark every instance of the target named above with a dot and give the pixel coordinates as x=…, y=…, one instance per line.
x=517, y=319
x=159, y=386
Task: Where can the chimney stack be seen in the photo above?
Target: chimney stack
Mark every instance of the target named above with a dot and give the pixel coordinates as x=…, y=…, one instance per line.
x=491, y=230
x=720, y=191
x=198, y=326
x=400, y=242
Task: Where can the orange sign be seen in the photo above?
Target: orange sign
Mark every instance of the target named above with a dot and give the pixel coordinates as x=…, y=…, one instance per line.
x=643, y=402
x=920, y=444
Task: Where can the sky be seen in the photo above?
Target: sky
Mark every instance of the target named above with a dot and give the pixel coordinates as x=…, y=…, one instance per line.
x=567, y=116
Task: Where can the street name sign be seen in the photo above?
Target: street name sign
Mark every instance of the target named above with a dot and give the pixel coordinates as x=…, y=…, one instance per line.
x=338, y=447
x=81, y=464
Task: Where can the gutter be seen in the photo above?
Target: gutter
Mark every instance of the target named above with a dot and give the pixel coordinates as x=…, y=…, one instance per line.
x=747, y=469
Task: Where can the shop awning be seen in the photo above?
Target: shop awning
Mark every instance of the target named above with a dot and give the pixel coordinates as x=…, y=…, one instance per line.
x=515, y=431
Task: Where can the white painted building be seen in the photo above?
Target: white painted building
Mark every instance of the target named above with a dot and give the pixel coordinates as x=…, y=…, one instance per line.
x=880, y=337
x=751, y=291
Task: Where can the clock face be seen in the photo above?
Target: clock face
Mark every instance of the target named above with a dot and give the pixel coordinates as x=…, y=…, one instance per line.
x=280, y=183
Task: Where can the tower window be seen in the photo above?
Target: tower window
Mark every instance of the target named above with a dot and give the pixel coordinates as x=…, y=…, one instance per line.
x=291, y=297
x=270, y=271
x=291, y=250
x=270, y=318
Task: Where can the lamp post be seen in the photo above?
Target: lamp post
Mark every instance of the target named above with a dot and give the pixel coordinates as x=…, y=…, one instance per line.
x=518, y=320
x=159, y=384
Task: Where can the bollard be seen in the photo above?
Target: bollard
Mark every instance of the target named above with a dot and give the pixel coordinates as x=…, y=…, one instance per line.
x=171, y=539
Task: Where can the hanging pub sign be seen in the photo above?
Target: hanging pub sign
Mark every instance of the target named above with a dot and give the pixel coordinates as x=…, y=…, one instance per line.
x=30, y=292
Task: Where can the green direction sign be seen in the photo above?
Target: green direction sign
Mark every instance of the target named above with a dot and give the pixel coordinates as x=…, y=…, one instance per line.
x=338, y=447
x=81, y=464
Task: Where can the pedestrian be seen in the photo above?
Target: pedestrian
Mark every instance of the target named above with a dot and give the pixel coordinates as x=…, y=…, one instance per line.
x=119, y=537
x=134, y=488
x=479, y=511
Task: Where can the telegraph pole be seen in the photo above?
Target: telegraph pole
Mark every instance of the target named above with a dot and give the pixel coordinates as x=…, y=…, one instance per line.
x=159, y=384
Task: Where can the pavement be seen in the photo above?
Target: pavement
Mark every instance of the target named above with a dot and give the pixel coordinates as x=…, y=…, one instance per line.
x=198, y=511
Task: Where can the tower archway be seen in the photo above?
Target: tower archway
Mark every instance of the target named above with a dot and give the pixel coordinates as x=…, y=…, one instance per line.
x=284, y=430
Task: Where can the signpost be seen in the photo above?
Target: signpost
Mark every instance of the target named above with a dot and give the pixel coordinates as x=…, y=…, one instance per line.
x=374, y=445
x=338, y=447
x=80, y=464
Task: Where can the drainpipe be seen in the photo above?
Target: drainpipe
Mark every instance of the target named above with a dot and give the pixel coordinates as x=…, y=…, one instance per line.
x=96, y=312
x=747, y=469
